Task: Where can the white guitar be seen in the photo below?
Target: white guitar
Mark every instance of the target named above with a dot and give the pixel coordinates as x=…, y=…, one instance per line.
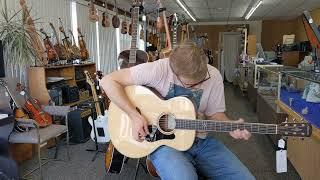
x=100, y=125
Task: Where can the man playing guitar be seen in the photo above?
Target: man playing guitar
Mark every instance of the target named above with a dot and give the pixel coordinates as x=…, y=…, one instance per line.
x=184, y=73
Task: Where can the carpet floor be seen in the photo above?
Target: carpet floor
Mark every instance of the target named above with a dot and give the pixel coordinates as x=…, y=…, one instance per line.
x=257, y=154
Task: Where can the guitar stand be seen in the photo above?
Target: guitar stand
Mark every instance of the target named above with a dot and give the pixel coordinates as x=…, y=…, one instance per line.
x=93, y=115
x=137, y=168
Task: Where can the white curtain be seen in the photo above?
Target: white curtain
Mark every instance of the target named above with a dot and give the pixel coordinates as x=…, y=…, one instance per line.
x=231, y=52
x=108, y=49
x=89, y=31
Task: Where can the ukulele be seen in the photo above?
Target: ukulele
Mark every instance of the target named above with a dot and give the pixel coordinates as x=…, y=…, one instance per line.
x=124, y=26
x=66, y=43
x=51, y=52
x=115, y=18
x=93, y=17
x=128, y=58
x=59, y=48
x=75, y=49
x=100, y=126
x=176, y=127
x=83, y=49
x=34, y=107
x=105, y=16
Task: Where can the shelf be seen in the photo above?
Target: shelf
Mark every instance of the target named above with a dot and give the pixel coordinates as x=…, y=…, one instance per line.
x=79, y=80
x=58, y=79
x=78, y=102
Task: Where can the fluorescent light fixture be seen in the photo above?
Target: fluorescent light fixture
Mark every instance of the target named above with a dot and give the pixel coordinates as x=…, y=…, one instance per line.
x=186, y=10
x=253, y=9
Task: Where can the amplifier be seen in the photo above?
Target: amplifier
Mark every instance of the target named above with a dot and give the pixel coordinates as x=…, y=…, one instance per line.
x=79, y=127
x=56, y=95
x=70, y=94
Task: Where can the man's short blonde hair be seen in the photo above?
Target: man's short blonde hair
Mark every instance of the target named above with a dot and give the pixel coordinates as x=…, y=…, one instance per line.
x=189, y=61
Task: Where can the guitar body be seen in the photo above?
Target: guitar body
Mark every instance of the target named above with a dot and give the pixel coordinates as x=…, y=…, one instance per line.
x=120, y=125
x=101, y=124
x=42, y=118
x=124, y=27
x=141, y=57
x=113, y=160
x=115, y=21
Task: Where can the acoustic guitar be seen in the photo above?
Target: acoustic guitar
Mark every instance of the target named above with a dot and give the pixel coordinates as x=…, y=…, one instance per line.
x=105, y=16
x=165, y=52
x=84, y=53
x=34, y=107
x=60, y=49
x=176, y=127
x=93, y=17
x=51, y=52
x=115, y=18
x=128, y=58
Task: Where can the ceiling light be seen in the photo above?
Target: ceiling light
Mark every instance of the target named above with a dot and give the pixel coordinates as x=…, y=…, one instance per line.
x=253, y=9
x=186, y=10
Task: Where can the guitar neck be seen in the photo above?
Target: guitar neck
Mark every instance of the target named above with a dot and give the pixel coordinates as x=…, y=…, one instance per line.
x=168, y=39
x=96, y=100
x=226, y=126
x=134, y=26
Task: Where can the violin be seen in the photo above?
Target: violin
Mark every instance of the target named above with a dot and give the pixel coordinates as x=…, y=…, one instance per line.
x=34, y=107
x=51, y=52
x=84, y=54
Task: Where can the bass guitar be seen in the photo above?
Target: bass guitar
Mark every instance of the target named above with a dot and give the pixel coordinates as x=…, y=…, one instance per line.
x=84, y=53
x=176, y=127
x=51, y=52
x=34, y=107
x=100, y=126
x=105, y=16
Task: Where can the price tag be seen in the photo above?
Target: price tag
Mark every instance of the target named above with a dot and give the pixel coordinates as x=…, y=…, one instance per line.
x=281, y=143
x=22, y=93
x=281, y=161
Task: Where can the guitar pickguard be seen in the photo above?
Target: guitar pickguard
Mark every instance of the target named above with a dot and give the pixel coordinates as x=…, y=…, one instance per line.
x=156, y=135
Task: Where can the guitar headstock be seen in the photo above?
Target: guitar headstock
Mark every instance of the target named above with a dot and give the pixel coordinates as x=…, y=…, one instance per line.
x=79, y=31
x=295, y=129
x=89, y=79
x=136, y=3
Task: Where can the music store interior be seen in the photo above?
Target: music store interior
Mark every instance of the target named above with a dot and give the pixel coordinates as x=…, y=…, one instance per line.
x=57, y=119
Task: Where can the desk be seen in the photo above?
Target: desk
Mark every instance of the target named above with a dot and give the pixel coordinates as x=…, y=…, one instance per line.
x=303, y=154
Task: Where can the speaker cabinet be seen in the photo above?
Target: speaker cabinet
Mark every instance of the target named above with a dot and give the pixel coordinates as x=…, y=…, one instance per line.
x=79, y=127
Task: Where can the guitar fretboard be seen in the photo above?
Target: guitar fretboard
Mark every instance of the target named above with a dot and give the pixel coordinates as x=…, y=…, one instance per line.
x=134, y=28
x=225, y=126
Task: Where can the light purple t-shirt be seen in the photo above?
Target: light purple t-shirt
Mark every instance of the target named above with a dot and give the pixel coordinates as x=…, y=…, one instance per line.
x=208, y=96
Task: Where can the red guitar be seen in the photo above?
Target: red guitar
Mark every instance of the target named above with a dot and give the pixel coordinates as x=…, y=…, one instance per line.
x=33, y=106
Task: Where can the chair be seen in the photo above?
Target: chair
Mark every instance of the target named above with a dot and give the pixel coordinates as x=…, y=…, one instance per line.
x=40, y=136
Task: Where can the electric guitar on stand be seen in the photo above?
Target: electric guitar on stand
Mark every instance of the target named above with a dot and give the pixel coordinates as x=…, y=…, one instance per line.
x=100, y=125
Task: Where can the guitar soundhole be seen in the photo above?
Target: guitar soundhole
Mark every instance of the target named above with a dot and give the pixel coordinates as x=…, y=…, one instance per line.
x=167, y=123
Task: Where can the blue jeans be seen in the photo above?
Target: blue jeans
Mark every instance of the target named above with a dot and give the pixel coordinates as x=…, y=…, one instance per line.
x=208, y=157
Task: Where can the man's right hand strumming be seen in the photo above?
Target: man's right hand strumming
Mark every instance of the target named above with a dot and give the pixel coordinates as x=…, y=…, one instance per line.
x=140, y=127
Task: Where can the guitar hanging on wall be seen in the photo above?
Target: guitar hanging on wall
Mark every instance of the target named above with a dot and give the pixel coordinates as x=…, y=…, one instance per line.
x=115, y=18
x=100, y=127
x=105, y=16
x=93, y=17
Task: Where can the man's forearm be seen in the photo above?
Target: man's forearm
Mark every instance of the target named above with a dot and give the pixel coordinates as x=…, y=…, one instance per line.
x=117, y=95
x=219, y=116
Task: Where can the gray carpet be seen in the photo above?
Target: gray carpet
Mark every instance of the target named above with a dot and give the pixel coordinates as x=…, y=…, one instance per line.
x=257, y=153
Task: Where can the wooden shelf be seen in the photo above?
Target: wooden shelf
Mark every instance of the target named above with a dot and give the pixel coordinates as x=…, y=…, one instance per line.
x=78, y=102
